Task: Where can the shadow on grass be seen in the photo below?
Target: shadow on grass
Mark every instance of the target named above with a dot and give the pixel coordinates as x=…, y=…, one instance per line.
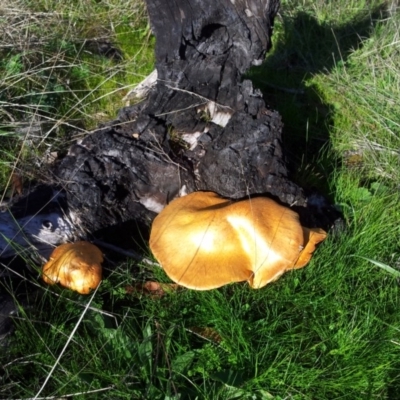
x=304, y=48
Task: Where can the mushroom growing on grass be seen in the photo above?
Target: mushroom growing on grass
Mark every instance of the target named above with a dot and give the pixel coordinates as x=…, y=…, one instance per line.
x=76, y=266
x=203, y=241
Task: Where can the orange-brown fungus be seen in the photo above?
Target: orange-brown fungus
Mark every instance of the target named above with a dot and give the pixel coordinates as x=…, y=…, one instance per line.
x=76, y=266
x=203, y=241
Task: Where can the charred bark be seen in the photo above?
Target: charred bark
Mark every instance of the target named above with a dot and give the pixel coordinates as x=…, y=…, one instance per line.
x=201, y=127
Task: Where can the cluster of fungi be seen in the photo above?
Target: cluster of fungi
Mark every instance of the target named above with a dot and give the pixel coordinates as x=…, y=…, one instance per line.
x=204, y=241
x=195, y=164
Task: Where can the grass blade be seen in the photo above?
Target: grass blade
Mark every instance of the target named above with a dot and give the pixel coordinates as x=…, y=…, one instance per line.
x=386, y=267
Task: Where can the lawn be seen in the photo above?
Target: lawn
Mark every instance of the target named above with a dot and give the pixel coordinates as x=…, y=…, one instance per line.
x=328, y=331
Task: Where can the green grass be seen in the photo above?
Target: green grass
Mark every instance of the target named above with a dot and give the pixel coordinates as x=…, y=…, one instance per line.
x=64, y=68
x=328, y=331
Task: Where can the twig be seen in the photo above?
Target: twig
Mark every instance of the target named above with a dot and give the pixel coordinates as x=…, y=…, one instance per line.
x=181, y=109
x=157, y=149
x=197, y=95
x=66, y=345
x=66, y=396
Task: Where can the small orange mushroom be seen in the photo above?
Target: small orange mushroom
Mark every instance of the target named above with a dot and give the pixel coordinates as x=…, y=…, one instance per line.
x=76, y=266
x=203, y=241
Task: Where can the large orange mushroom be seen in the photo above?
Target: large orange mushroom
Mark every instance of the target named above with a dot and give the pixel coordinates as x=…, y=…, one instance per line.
x=203, y=241
x=76, y=266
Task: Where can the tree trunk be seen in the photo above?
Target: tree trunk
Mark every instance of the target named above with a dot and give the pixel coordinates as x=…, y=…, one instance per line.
x=201, y=127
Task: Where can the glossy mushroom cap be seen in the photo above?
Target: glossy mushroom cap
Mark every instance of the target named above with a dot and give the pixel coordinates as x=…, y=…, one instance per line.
x=76, y=266
x=203, y=241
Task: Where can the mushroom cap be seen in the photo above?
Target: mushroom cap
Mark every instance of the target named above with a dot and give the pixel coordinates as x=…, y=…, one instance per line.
x=203, y=241
x=312, y=236
x=76, y=266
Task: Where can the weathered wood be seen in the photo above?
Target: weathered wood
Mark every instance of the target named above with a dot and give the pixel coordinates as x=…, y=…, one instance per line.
x=201, y=127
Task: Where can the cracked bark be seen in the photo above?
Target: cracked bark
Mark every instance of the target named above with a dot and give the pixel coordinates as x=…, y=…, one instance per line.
x=201, y=127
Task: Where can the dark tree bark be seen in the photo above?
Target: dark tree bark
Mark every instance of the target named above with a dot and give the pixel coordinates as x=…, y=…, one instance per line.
x=201, y=127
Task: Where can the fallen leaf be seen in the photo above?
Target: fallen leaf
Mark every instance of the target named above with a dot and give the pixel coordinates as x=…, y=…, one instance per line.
x=152, y=288
x=206, y=333
x=16, y=183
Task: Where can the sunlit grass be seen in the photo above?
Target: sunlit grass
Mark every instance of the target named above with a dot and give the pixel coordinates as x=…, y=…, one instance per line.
x=328, y=331
x=64, y=68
